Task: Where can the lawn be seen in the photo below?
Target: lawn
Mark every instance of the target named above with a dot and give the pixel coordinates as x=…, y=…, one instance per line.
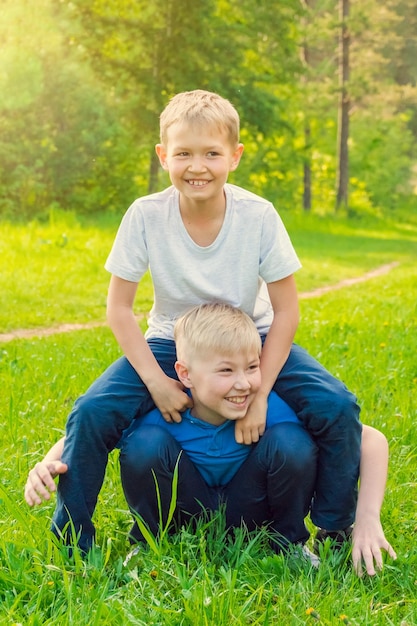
x=365, y=333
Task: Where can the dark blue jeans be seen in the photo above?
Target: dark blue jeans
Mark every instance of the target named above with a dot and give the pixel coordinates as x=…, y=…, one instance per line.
x=327, y=409
x=273, y=487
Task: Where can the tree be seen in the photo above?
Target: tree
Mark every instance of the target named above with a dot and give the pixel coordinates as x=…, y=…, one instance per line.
x=344, y=107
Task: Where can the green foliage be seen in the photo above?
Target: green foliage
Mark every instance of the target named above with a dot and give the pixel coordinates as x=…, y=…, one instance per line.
x=59, y=136
x=382, y=162
x=83, y=84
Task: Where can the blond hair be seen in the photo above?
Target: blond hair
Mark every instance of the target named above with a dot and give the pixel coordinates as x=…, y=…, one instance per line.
x=215, y=327
x=202, y=107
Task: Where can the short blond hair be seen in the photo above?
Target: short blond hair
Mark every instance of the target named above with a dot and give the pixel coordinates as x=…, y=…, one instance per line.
x=202, y=107
x=215, y=327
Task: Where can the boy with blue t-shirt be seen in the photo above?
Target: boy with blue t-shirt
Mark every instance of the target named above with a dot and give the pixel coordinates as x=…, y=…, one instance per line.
x=270, y=483
x=205, y=240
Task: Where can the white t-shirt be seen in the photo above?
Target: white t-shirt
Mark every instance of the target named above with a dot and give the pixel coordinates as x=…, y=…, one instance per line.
x=251, y=249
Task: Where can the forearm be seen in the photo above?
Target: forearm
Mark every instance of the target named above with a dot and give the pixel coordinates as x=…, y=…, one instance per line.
x=277, y=347
x=134, y=345
x=373, y=473
x=368, y=538
x=55, y=453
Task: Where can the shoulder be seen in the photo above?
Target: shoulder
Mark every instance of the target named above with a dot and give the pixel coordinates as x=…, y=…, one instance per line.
x=250, y=206
x=239, y=194
x=152, y=201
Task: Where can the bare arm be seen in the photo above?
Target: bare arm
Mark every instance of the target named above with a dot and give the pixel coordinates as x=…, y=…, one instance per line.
x=277, y=346
x=167, y=393
x=368, y=537
x=40, y=483
x=284, y=300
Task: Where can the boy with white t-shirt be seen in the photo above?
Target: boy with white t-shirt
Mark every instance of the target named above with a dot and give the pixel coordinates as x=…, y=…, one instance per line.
x=204, y=240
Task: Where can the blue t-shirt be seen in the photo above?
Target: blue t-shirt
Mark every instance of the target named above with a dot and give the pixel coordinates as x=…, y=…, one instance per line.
x=213, y=449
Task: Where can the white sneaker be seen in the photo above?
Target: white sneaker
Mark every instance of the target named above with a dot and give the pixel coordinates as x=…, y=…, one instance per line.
x=130, y=558
x=310, y=556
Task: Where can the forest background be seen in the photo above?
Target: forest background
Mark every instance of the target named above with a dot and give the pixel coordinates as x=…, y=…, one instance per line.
x=82, y=85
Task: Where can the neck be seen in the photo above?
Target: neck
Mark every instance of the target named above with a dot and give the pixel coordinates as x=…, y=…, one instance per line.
x=213, y=418
x=211, y=209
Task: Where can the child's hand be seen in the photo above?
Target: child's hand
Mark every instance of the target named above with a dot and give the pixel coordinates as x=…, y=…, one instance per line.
x=368, y=540
x=40, y=483
x=252, y=426
x=171, y=399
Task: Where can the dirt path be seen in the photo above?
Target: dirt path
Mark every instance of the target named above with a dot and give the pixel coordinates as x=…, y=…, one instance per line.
x=69, y=328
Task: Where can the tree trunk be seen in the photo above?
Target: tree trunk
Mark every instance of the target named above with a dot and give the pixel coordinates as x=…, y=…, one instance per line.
x=307, y=170
x=305, y=58
x=344, y=107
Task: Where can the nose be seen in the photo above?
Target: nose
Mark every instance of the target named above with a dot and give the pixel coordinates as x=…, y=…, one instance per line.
x=197, y=165
x=241, y=382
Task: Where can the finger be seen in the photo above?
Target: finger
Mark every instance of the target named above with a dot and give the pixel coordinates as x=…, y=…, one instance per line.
x=368, y=558
x=61, y=468
x=41, y=491
x=32, y=496
x=238, y=435
x=357, y=564
x=254, y=436
x=377, y=562
x=357, y=560
x=176, y=417
x=250, y=436
x=390, y=550
x=45, y=475
x=167, y=417
x=39, y=481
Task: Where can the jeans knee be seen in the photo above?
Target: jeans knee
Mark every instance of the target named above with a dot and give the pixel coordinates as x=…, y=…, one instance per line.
x=85, y=410
x=346, y=407
x=95, y=419
x=335, y=413
x=292, y=445
x=146, y=447
x=301, y=460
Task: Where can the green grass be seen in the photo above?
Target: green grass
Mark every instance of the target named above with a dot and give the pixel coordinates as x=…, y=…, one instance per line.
x=54, y=272
x=366, y=334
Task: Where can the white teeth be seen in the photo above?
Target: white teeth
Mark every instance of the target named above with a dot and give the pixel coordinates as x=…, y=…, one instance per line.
x=197, y=183
x=237, y=399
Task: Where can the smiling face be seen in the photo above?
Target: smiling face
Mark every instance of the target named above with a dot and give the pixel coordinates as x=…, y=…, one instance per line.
x=199, y=159
x=222, y=385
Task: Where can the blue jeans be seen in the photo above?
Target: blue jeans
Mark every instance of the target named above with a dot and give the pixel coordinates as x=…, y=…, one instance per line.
x=327, y=409
x=273, y=487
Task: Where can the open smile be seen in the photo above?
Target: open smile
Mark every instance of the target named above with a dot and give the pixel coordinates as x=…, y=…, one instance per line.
x=238, y=400
x=197, y=183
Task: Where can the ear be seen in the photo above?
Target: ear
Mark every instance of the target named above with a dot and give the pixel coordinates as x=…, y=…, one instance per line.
x=183, y=374
x=162, y=155
x=237, y=155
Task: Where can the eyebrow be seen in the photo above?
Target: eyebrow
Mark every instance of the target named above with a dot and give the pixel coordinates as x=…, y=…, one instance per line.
x=231, y=362
x=211, y=148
